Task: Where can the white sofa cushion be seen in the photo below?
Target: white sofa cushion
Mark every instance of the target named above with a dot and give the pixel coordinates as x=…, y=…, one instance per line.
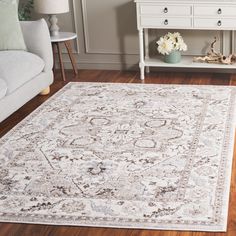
x=3, y=88
x=18, y=67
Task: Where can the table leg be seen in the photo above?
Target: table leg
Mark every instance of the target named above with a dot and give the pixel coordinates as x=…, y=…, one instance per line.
x=146, y=41
x=141, y=63
x=232, y=42
x=72, y=58
x=61, y=61
x=54, y=48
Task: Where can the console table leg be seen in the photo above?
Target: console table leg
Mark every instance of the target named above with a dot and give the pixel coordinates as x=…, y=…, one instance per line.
x=232, y=42
x=146, y=41
x=141, y=48
x=142, y=71
x=147, y=69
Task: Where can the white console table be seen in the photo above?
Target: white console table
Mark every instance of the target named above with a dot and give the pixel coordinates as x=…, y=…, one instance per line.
x=182, y=14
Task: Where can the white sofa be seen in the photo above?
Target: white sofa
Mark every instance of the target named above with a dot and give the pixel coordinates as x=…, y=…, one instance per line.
x=23, y=75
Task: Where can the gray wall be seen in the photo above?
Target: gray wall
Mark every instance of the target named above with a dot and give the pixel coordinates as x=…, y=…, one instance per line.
x=108, y=37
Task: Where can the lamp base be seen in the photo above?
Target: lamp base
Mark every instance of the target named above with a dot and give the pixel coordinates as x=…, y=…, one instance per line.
x=54, y=28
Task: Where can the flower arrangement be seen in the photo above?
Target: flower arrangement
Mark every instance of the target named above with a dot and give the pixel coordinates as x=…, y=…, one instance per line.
x=171, y=42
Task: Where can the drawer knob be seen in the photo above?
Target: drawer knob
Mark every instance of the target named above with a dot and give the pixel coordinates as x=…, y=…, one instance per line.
x=165, y=10
x=219, y=23
x=166, y=22
x=219, y=11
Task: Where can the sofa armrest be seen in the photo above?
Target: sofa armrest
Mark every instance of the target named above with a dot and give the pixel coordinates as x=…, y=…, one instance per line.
x=37, y=40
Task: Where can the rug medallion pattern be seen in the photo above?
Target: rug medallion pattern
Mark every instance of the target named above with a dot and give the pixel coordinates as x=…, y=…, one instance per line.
x=122, y=155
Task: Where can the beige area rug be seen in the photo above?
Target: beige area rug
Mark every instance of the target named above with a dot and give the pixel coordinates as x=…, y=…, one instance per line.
x=122, y=155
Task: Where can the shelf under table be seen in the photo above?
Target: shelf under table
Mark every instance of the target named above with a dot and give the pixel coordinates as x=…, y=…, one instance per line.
x=186, y=62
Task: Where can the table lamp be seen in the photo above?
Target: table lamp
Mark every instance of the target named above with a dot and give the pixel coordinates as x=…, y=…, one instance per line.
x=52, y=8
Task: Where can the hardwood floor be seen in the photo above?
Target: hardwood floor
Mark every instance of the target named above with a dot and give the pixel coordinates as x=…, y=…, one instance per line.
x=117, y=77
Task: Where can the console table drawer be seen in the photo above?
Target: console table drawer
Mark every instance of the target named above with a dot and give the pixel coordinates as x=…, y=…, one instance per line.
x=171, y=22
x=169, y=10
x=214, y=23
x=223, y=11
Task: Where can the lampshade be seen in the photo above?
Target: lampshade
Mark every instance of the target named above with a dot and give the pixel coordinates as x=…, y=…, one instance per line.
x=51, y=6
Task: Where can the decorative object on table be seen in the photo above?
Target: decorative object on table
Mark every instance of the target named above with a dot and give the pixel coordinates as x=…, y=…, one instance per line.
x=25, y=10
x=64, y=38
x=216, y=57
x=173, y=57
x=171, y=46
x=51, y=8
x=11, y=37
x=145, y=169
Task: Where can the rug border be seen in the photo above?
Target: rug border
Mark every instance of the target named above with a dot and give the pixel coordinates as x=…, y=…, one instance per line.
x=113, y=226
x=229, y=164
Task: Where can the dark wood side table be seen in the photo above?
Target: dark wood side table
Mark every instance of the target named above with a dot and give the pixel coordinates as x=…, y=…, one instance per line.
x=64, y=38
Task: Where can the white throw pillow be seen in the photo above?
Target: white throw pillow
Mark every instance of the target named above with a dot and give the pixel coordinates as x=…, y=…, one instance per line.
x=11, y=37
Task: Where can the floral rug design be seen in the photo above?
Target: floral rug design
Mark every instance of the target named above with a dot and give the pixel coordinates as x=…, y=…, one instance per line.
x=122, y=155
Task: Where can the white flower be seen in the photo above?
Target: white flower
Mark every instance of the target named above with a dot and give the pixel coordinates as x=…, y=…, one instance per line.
x=174, y=37
x=181, y=45
x=177, y=35
x=171, y=42
x=165, y=46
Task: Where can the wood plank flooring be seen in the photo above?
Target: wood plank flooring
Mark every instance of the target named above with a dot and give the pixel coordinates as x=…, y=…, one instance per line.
x=117, y=77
